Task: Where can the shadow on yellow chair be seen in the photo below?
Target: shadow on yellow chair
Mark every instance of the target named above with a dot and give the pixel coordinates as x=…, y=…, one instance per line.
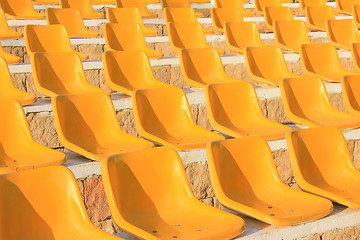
x=7, y=88
x=19, y=151
x=261, y=4
x=163, y=115
x=87, y=124
x=266, y=65
x=322, y=165
x=306, y=102
x=356, y=14
x=60, y=73
x=128, y=71
x=240, y=35
x=202, y=66
x=5, y=31
x=345, y=6
x=350, y=86
x=290, y=35
x=139, y=4
x=182, y=15
x=50, y=205
x=322, y=60
x=245, y=179
x=355, y=52
x=317, y=17
x=20, y=9
x=128, y=15
x=71, y=19
x=273, y=14
x=221, y=15
x=244, y=118
x=234, y=4
x=48, y=38
x=9, y=58
x=154, y=183
x=179, y=4
x=307, y=3
x=84, y=6
x=127, y=36
x=187, y=35
x=342, y=33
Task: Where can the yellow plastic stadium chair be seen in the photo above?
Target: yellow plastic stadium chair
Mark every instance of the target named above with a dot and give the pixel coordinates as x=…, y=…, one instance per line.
x=84, y=6
x=187, y=35
x=202, y=66
x=322, y=165
x=200, y=1
x=234, y=4
x=266, y=65
x=150, y=197
x=355, y=52
x=239, y=35
x=245, y=179
x=60, y=73
x=127, y=36
x=342, y=33
x=182, y=15
x=307, y=3
x=346, y=6
x=87, y=124
x=20, y=9
x=356, y=14
x=9, y=58
x=317, y=17
x=50, y=205
x=350, y=86
x=221, y=15
x=290, y=35
x=71, y=19
x=163, y=115
x=5, y=31
x=139, y=4
x=307, y=103
x=48, y=38
x=128, y=15
x=47, y=2
x=273, y=14
x=128, y=71
x=261, y=4
x=179, y=4
x=322, y=60
x=234, y=109
x=7, y=88
x=19, y=151
x=103, y=2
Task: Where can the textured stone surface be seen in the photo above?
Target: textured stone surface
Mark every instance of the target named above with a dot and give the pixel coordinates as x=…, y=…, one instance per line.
x=349, y=233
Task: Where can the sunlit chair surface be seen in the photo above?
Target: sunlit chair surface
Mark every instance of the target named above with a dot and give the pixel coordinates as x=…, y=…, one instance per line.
x=9, y=58
x=178, y=4
x=163, y=115
x=139, y=4
x=202, y=66
x=355, y=52
x=234, y=109
x=47, y=2
x=290, y=35
x=317, y=16
x=71, y=19
x=187, y=35
x=342, y=33
x=150, y=197
x=245, y=179
x=7, y=88
x=48, y=38
x=345, y=6
x=322, y=60
x=273, y=14
x=182, y=15
x=20, y=9
x=19, y=151
x=261, y=4
x=152, y=1
x=103, y=2
x=234, y=4
x=356, y=14
x=239, y=35
x=87, y=124
x=322, y=165
x=48, y=204
x=200, y=1
x=128, y=15
x=350, y=86
x=307, y=3
x=59, y=74
x=84, y=6
x=221, y=15
x=5, y=31
x=306, y=102
x=127, y=71
x=127, y=36
x=266, y=65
